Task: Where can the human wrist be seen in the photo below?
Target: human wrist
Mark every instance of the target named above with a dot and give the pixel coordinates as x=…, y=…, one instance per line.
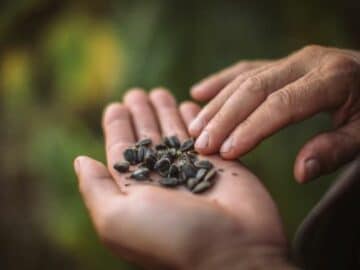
x=249, y=258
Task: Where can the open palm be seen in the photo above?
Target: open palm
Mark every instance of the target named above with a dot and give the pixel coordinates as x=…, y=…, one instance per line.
x=156, y=227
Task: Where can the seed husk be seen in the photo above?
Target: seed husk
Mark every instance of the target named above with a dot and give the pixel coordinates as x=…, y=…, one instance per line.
x=141, y=151
x=162, y=165
x=169, y=181
x=144, y=142
x=173, y=171
x=150, y=160
x=201, y=174
x=174, y=142
x=192, y=182
x=140, y=174
x=130, y=155
x=204, y=164
x=188, y=170
x=202, y=186
x=192, y=157
x=122, y=166
x=209, y=177
x=187, y=145
x=160, y=146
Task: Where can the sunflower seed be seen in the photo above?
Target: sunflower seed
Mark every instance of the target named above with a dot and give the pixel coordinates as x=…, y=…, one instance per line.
x=140, y=174
x=141, y=151
x=130, y=155
x=201, y=174
x=169, y=182
x=209, y=177
x=150, y=160
x=144, y=142
x=204, y=164
x=188, y=170
x=160, y=146
x=173, y=171
x=187, y=145
x=192, y=182
x=162, y=165
x=202, y=186
x=122, y=166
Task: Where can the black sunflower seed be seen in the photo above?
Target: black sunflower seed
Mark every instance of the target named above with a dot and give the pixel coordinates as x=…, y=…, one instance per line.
x=173, y=171
x=150, y=160
x=122, y=166
x=130, y=155
x=162, y=165
x=187, y=145
x=202, y=186
x=160, y=146
x=145, y=142
x=204, y=164
x=201, y=174
x=141, y=174
x=210, y=175
x=169, y=181
x=174, y=142
x=188, y=170
x=192, y=182
x=141, y=151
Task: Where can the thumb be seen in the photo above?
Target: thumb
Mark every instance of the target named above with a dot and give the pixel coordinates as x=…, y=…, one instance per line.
x=95, y=183
x=327, y=151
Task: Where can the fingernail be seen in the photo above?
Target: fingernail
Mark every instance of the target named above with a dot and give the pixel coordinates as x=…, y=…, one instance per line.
x=226, y=147
x=196, y=125
x=312, y=168
x=77, y=165
x=196, y=86
x=203, y=140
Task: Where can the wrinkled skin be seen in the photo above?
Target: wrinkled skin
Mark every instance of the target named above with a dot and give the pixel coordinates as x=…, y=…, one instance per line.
x=253, y=100
x=235, y=225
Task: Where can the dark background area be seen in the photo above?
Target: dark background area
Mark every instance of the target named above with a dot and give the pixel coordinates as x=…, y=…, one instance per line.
x=62, y=61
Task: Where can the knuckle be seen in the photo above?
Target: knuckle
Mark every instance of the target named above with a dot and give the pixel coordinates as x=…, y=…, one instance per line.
x=280, y=101
x=312, y=49
x=256, y=85
x=339, y=62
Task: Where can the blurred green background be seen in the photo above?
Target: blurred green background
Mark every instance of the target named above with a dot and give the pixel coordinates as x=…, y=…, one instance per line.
x=62, y=61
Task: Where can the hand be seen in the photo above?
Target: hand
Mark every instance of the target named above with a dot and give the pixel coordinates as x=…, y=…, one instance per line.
x=257, y=103
x=235, y=225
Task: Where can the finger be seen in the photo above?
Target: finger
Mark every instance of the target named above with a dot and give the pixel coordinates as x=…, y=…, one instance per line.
x=215, y=104
x=243, y=102
x=168, y=114
x=118, y=133
x=188, y=111
x=96, y=184
x=327, y=152
x=301, y=99
x=143, y=116
x=211, y=86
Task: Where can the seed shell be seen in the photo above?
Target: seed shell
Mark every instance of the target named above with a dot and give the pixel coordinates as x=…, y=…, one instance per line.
x=122, y=166
x=169, y=182
x=144, y=142
x=130, y=155
x=140, y=174
x=202, y=186
x=204, y=164
x=187, y=145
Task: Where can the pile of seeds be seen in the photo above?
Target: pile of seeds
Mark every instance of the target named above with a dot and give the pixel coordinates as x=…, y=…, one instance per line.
x=176, y=163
